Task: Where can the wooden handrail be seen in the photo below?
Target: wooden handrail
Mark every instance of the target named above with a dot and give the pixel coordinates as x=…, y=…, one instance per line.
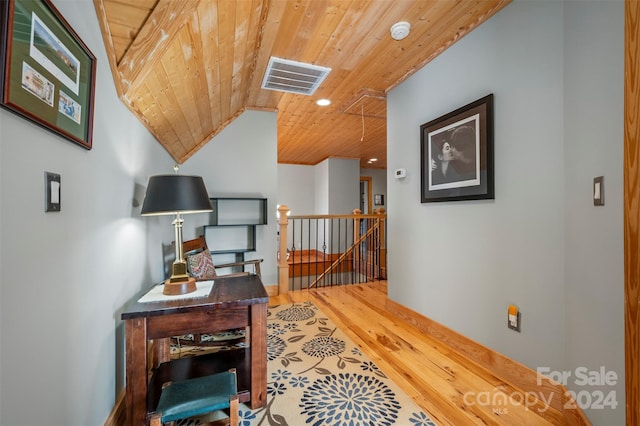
x=338, y=216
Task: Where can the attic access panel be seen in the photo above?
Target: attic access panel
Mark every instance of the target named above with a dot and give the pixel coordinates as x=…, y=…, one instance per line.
x=294, y=77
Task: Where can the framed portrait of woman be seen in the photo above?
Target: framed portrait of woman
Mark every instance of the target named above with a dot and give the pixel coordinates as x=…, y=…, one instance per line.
x=456, y=153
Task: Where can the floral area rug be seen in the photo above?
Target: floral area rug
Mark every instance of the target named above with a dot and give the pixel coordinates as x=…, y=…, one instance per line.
x=317, y=376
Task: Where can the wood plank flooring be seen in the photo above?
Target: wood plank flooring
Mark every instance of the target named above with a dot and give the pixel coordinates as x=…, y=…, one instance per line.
x=445, y=384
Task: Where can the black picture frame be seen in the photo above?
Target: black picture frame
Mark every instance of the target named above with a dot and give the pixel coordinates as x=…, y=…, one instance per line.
x=378, y=199
x=456, y=154
x=47, y=73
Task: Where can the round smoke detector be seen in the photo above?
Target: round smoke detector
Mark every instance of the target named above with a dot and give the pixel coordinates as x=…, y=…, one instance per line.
x=400, y=30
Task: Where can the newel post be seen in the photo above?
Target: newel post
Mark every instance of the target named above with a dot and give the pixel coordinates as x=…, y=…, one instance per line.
x=356, y=224
x=283, y=265
x=381, y=211
x=381, y=245
x=356, y=233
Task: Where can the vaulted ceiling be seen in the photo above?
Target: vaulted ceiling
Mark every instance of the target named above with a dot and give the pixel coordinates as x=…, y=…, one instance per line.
x=188, y=68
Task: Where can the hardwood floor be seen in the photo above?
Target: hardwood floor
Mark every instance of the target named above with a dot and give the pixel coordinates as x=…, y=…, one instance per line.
x=448, y=386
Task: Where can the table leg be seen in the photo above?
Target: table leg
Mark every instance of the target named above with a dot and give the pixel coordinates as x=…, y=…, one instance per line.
x=258, y=355
x=161, y=351
x=136, y=355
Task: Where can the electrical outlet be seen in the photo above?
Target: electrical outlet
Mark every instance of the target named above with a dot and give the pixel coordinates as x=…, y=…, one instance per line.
x=513, y=318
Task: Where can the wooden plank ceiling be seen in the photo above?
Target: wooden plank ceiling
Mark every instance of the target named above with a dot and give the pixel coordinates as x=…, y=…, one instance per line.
x=188, y=68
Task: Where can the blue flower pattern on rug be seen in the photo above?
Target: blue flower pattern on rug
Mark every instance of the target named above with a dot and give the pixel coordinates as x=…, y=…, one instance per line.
x=333, y=392
x=318, y=376
x=349, y=399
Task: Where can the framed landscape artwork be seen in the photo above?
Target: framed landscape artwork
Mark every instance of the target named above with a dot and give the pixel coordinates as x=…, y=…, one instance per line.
x=456, y=154
x=47, y=73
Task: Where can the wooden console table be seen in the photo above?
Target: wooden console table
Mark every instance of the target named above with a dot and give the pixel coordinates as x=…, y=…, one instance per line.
x=234, y=302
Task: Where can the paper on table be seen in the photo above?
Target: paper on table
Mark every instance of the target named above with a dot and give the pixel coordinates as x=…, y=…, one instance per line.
x=203, y=288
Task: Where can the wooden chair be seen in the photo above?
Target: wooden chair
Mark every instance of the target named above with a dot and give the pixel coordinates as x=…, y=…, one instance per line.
x=199, y=396
x=198, y=246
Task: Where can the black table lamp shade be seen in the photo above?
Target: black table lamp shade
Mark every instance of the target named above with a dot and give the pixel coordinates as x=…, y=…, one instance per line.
x=171, y=194
x=178, y=195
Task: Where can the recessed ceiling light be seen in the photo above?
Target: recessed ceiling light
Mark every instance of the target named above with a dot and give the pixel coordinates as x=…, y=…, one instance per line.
x=400, y=30
x=372, y=160
x=323, y=102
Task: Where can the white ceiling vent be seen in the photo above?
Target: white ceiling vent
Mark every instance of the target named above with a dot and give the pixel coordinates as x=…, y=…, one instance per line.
x=293, y=77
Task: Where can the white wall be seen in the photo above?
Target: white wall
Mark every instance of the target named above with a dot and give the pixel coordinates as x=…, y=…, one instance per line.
x=241, y=161
x=66, y=276
x=468, y=261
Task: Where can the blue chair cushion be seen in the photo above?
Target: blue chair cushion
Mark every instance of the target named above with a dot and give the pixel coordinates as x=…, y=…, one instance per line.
x=192, y=397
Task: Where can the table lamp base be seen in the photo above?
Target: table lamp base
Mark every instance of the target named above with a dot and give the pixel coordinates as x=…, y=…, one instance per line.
x=185, y=286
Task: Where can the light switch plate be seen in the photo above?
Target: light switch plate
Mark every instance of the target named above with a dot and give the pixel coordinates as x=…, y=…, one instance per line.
x=598, y=191
x=52, y=202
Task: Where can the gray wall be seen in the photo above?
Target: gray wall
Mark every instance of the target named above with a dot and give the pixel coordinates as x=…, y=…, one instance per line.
x=296, y=186
x=378, y=185
x=593, y=145
x=321, y=181
x=556, y=72
x=241, y=161
x=64, y=277
x=330, y=187
x=344, y=185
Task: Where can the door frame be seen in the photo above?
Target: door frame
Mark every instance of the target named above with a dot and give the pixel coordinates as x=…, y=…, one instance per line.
x=632, y=210
x=369, y=180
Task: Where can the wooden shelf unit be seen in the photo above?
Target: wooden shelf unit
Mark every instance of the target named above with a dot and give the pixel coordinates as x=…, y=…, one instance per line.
x=232, y=228
x=238, y=211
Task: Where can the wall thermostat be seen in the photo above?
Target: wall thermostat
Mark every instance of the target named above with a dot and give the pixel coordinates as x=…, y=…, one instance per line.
x=401, y=173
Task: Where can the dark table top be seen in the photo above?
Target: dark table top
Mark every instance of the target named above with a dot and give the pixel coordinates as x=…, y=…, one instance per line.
x=226, y=292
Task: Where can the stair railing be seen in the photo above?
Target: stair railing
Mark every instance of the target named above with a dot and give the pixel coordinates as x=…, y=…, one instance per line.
x=325, y=250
